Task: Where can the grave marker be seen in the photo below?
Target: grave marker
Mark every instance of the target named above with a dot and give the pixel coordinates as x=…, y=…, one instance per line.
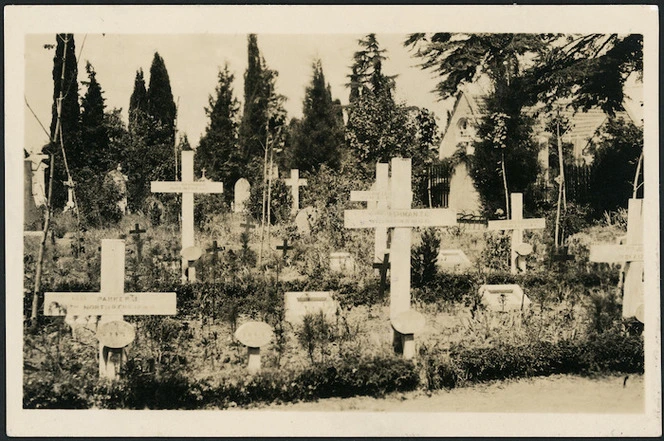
x=242, y=191
x=136, y=234
x=382, y=268
x=285, y=248
x=294, y=182
x=517, y=224
x=111, y=303
x=298, y=304
x=254, y=335
x=377, y=199
x=402, y=218
x=452, y=259
x=630, y=255
x=504, y=298
x=408, y=323
x=342, y=262
x=187, y=187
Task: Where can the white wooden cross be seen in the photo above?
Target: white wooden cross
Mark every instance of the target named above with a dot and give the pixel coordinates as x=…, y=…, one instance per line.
x=187, y=187
x=402, y=218
x=517, y=223
x=295, y=183
x=377, y=199
x=630, y=255
x=111, y=302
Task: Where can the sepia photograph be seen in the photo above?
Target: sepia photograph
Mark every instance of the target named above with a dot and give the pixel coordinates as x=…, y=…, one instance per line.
x=332, y=221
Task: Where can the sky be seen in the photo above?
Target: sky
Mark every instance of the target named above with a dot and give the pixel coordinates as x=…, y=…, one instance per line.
x=193, y=62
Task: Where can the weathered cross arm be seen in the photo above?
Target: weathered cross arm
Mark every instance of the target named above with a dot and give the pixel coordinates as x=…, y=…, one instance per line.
x=407, y=218
x=87, y=303
x=186, y=187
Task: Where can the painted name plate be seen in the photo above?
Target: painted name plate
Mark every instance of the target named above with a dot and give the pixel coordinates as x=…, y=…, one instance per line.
x=87, y=303
x=425, y=217
x=616, y=253
x=522, y=224
x=192, y=253
x=186, y=187
x=116, y=334
x=408, y=322
x=299, y=304
x=361, y=196
x=254, y=334
x=503, y=297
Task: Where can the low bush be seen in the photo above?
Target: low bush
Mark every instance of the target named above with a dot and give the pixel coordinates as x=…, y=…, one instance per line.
x=599, y=353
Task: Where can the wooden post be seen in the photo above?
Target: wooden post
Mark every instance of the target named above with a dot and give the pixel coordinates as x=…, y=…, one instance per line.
x=377, y=200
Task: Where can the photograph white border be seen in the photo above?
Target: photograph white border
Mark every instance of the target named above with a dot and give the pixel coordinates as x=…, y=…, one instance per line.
x=23, y=20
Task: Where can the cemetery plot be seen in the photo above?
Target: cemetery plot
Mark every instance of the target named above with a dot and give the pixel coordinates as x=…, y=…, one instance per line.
x=504, y=298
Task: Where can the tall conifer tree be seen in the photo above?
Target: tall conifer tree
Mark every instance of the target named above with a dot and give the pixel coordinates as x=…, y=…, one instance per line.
x=138, y=103
x=93, y=128
x=217, y=151
x=320, y=135
x=160, y=104
x=254, y=117
x=65, y=81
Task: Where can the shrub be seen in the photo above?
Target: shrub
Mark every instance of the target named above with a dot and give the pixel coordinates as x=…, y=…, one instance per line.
x=423, y=259
x=280, y=202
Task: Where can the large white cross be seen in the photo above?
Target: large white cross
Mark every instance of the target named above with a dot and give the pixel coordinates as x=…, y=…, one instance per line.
x=377, y=199
x=295, y=183
x=187, y=187
x=517, y=223
x=630, y=255
x=402, y=218
x=111, y=302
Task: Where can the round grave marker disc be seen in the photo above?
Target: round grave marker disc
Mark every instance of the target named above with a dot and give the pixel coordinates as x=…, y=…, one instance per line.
x=524, y=249
x=192, y=253
x=254, y=334
x=116, y=334
x=408, y=322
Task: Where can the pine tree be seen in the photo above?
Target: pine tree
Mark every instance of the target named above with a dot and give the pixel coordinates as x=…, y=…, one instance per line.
x=65, y=82
x=320, y=135
x=138, y=103
x=217, y=151
x=94, y=134
x=160, y=105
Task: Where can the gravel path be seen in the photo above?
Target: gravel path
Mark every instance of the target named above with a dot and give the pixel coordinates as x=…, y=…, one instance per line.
x=557, y=393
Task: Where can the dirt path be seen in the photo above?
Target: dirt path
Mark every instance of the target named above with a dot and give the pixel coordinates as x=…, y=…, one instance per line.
x=558, y=393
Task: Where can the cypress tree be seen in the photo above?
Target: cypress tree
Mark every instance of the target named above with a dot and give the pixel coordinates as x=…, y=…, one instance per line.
x=217, y=151
x=160, y=105
x=70, y=113
x=320, y=135
x=93, y=128
x=138, y=102
x=252, y=131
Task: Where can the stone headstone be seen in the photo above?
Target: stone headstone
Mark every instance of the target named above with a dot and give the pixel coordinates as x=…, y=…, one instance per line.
x=298, y=304
x=304, y=219
x=342, y=262
x=453, y=259
x=504, y=298
x=242, y=190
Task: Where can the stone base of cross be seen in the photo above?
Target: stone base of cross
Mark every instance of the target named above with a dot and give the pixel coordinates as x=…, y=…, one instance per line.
x=111, y=303
x=187, y=187
x=402, y=218
x=630, y=255
x=517, y=224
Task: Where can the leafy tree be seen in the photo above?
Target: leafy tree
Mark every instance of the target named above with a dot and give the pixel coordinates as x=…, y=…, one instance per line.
x=505, y=159
x=318, y=138
x=160, y=105
x=461, y=58
x=378, y=128
x=590, y=69
x=138, y=103
x=65, y=81
x=217, y=150
x=614, y=166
